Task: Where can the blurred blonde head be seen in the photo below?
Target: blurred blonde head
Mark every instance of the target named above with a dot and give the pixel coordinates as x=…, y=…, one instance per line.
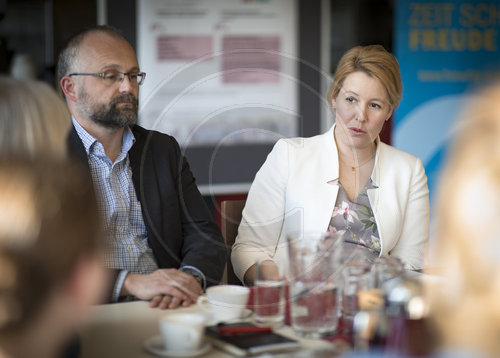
x=34, y=120
x=50, y=253
x=467, y=309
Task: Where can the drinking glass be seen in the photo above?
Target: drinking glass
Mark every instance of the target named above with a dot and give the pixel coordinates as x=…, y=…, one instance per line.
x=315, y=276
x=269, y=298
x=356, y=279
x=386, y=268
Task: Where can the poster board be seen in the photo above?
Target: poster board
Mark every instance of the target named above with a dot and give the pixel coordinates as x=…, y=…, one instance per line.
x=445, y=50
x=220, y=72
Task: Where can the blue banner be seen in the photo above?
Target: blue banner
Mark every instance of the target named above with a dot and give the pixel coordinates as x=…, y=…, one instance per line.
x=445, y=49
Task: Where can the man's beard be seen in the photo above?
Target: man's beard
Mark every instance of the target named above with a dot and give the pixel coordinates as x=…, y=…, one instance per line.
x=111, y=116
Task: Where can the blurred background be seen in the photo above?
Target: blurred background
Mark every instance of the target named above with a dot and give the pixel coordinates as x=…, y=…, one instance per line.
x=228, y=78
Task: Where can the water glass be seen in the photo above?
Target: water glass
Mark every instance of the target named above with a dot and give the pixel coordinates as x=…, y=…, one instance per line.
x=386, y=268
x=356, y=279
x=315, y=269
x=269, y=308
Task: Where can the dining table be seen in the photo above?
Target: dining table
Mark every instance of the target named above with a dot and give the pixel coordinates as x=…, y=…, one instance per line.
x=121, y=329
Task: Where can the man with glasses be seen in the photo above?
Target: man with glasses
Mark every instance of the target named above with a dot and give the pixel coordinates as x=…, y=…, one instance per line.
x=163, y=244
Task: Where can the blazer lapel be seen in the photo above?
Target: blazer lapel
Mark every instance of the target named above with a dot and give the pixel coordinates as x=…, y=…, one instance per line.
x=324, y=205
x=378, y=192
x=76, y=148
x=324, y=194
x=145, y=182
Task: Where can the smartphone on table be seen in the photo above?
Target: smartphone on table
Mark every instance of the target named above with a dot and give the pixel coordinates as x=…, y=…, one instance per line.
x=245, y=339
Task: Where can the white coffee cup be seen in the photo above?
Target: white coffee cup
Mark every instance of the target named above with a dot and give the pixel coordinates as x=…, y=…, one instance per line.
x=182, y=332
x=225, y=302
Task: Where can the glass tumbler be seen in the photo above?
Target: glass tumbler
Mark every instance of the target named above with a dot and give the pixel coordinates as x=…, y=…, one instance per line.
x=269, y=298
x=356, y=279
x=315, y=277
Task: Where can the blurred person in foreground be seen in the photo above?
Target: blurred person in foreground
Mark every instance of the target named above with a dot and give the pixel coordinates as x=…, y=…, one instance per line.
x=34, y=120
x=345, y=180
x=51, y=268
x=163, y=244
x=466, y=308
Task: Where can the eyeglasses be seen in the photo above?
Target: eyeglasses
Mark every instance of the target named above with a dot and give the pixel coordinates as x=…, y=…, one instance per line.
x=110, y=77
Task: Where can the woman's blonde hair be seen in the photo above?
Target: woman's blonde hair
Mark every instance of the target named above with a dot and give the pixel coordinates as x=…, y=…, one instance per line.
x=49, y=220
x=376, y=62
x=34, y=120
x=468, y=231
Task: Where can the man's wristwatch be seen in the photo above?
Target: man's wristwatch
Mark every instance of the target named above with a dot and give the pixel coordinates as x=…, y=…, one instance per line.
x=195, y=273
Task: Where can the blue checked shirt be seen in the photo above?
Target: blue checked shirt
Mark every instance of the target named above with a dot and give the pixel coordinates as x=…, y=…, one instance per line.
x=127, y=247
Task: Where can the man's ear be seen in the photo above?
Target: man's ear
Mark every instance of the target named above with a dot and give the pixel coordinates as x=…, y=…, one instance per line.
x=68, y=87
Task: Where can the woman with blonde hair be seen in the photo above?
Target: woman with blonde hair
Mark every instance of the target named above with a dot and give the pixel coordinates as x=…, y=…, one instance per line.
x=466, y=308
x=34, y=120
x=50, y=267
x=50, y=261
x=345, y=180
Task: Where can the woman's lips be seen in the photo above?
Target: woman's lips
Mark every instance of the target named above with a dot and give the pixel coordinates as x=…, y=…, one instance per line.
x=357, y=131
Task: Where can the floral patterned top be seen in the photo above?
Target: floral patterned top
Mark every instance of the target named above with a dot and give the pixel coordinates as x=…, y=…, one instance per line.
x=355, y=221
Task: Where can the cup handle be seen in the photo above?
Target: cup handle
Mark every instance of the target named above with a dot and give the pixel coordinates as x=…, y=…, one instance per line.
x=202, y=302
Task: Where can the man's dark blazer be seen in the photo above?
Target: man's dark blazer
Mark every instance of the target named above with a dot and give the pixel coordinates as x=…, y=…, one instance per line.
x=180, y=227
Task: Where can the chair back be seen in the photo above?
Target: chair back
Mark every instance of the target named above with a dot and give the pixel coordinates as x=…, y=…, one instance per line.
x=230, y=221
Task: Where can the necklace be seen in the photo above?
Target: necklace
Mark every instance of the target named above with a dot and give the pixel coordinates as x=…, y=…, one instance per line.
x=353, y=168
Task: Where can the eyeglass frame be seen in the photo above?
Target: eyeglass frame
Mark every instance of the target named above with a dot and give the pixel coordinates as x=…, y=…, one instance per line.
x=120, y=80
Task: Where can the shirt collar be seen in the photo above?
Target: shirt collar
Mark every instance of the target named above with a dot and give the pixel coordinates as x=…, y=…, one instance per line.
x=89, y=141
x=128, y=140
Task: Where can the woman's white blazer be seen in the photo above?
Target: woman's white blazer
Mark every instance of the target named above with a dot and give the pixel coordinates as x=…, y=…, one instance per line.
x=295, y=190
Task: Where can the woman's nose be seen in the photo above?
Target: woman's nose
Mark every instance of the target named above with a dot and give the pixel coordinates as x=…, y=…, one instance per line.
x=361, y=113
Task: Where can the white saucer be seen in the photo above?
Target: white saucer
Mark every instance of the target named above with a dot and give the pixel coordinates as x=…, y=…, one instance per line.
x=155, y=345
x=245, y=316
